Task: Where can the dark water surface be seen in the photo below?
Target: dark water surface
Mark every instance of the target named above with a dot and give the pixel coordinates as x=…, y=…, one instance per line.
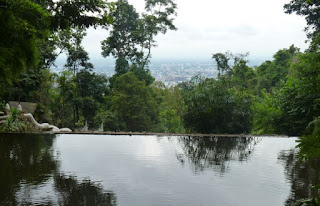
x=150, y=170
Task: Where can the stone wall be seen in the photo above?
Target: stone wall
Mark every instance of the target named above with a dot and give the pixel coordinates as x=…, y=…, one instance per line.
x=27, y=107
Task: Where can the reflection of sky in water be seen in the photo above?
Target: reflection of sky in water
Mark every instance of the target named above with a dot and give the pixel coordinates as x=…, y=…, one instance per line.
x=144, y=170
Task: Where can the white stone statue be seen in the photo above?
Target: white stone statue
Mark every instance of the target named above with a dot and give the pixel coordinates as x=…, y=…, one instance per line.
x=85, y=128
x=35, y=123
x=29, y=116
x=8, y=113
x=7, y=108
x=101, y=127
x=19, y=108
x=45, y=126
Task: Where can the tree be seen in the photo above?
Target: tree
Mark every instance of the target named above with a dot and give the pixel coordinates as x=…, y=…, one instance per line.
x=93, y=89
x=212, y=107
x=170, y=107
x=300, y=96
x=267, y=115
x=142, y=74
x=77, y=57
x=22, y=22
x=222, y=62
x=66, y=93
x=65, y=14
x=304, y=83
x=271, y=74
x=132, y=35
x=121, y=42
x=310, y=9
x=133, y=104
x=291, y=108
x=158, y=18
x=243, y=77
x=25, y=22
x=169, y=121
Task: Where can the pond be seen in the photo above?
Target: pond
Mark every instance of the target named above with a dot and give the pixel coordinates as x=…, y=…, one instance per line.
x=151, y=170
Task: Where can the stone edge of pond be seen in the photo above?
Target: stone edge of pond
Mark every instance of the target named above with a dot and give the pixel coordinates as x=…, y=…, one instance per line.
x=154, y=134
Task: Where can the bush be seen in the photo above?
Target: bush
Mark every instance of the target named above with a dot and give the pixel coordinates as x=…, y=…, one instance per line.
x=13, y=123
x=212, y=107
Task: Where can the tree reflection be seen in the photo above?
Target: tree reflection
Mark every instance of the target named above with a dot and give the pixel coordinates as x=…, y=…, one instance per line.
x=28, y=164
x=215, y=152
x=302, y=175
x=71, y=192
x=26, y=158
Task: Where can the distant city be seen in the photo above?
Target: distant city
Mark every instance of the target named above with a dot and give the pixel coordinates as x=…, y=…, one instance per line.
x=173, y=73
x=170, y=72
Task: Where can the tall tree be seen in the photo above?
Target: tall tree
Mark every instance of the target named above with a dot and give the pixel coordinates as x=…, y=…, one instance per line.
x=66, y=93
x=243, y=77
x=157, y=18
x=133, y=104
x=92, y=90
x=77, y=57
x=222, y=61
x=271, y=74
x=66, y=14
x=121, y=42
x=299, y=98
x=133, y=35
x=310, y=9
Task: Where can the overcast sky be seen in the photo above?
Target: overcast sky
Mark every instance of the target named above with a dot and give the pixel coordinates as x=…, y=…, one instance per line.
x=259, y=27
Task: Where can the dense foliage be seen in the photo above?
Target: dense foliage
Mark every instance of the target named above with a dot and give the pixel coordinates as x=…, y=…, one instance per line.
x=22, y=22
x=310, y=9
x=280, y=96
x=212, y=107
x=133, y=104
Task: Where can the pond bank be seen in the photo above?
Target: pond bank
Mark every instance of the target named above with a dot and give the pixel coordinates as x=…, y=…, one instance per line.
x=156, y=134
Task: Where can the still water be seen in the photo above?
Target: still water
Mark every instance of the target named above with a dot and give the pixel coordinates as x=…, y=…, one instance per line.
x=151, y=170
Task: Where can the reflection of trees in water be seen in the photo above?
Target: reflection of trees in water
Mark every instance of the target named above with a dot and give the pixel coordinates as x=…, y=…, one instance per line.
x=302, y=175
x=71, y=192
x=215, y=152
x=27, y=161
x=26, y=158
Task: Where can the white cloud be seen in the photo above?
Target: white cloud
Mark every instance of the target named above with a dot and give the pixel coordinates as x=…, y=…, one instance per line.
x=208, y=26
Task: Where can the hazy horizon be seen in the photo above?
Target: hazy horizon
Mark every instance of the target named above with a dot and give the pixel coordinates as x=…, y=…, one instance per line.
x=210, y=26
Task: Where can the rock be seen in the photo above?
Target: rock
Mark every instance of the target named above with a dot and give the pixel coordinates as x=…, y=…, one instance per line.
x=4, y=117
x=65, y=130
x=27, y=107
x=54, y=128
